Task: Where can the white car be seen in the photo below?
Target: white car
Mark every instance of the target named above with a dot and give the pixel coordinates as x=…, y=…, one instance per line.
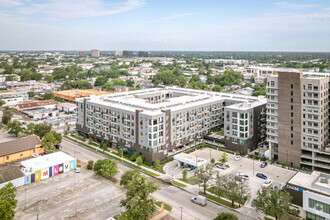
x=267, y=183
x=238, y=158
x=77, y=170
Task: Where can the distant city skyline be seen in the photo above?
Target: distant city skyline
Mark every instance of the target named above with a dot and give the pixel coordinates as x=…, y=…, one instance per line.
x=149, y=25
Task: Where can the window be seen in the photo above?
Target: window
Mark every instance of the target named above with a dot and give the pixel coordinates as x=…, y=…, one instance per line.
x=291, y=135
x=7, y=158
x=291, y=86
x=291, y=100
x=292, y=114
x=291, y=107
x=291, y=142
x=291, y=93
x=319, y=206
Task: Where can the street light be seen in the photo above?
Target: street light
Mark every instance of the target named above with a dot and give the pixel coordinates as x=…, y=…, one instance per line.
x=181, y=212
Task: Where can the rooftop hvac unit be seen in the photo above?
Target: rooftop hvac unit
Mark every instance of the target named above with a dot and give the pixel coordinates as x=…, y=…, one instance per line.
x=323, y=180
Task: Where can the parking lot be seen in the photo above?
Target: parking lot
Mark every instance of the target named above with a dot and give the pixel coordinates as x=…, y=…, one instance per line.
x=247, y=166
x=54, y=198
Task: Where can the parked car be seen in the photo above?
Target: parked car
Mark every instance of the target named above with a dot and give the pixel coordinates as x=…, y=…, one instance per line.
x=77, y=170
x=262, y=176
x=242, y=176
x=222, y=166
x=201, y=200
x=36, y=155
x=274, y=187
x=267, y=183
x=238, y=158
x=264, y=164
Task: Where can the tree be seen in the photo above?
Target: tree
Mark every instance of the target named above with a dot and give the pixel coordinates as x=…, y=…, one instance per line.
x=130, y=83
x=157, y=165
x=137, y=203
x=100, y=81
x=31, y=94
x=274, y=202
x=49, y=141
x=252, y=79
x=118, y=82
x=57, y=136
x=204, y=174
x=203, y=143
x=120, y=152
x=128, y=176
x=8, y=201
x=104, y=147
x=15, y=127
x=213, y=160
x=224, y=158
x=139, y=160
x=29, y=130
x=226, y=216
x=184, y=173
x=90, y=140
x=216, y=88
x=48, y=96
x=231, y=188
x=41, y=130
x=108, y=86
x=6, y=117
x=90, y=164
x=106, y=168
x=2, y=102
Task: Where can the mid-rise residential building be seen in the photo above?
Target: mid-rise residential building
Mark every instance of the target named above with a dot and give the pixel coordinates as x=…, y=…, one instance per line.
x=127, y=53
x=153, y=122
x=298, y=119
x=95, y=53
x=119, y=52
x=311, y=193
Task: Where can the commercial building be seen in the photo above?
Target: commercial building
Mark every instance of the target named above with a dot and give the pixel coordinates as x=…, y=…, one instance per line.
x=143, y=54
x=72, y=95
x=34, y=105
x=119, y=53
x=40, y=168
x=311, y=193
x=11, y=174
x=189, y=161
x=298, y=119
x=95, y=53
x=20, y=149
x=127, y=53
x=14, y=98
x=154, y=121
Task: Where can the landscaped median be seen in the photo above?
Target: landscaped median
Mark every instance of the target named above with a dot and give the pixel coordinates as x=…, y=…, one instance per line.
x=166, y=206
x=219, y=200
x=178, y=184
x=115, y=157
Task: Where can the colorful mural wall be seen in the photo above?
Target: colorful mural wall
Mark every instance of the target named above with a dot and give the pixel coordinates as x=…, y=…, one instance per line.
x=50, y=171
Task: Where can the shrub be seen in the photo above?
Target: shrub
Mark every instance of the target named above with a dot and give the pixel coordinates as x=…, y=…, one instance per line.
x=283, y=164
x=90, y=165
x=133, y=157
x=250, y=156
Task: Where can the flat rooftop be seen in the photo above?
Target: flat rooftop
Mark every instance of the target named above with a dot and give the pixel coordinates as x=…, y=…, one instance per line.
x=312, y=181
x=46, y=161
x=181, y=99
x=190, y=159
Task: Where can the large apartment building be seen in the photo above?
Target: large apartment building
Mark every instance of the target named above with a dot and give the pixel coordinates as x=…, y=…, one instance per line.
x=298, y=119
x=153, y=122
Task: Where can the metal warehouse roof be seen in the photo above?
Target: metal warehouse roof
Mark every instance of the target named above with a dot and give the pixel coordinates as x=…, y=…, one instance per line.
x=48, y=160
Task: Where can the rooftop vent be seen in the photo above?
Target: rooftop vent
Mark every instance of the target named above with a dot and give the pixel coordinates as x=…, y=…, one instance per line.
x=323, y=180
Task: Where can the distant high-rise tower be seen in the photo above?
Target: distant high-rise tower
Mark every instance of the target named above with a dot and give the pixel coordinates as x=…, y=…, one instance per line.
x=95, y=53
x=119, y=53
x=143, y=54
x=81, y=53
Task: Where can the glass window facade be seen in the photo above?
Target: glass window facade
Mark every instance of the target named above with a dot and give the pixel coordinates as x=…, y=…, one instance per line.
x=319, y=206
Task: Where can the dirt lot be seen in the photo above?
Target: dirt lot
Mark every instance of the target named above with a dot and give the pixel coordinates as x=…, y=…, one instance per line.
x=54, y=198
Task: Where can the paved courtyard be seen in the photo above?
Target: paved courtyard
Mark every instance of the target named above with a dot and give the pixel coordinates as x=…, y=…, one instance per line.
x=246, y=165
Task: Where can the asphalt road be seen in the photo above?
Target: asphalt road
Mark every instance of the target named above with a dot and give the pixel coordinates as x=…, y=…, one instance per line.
x=172, y=195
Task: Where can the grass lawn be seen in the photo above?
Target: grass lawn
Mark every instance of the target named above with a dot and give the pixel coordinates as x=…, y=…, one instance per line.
x=221, y=132
x=219, y=200
x=167, y=207
x=150, y=173
x=188, y=180
x=175, y=183
x=211, y=190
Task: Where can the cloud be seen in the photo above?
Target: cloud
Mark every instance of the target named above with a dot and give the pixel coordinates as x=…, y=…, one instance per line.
x=9, y=3
x=292, y=6
x=63, y=9
x=172, y=17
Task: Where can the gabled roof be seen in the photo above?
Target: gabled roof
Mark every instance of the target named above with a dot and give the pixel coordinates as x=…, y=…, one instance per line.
x=8, y=173
x=36, y=104
x=22, y=144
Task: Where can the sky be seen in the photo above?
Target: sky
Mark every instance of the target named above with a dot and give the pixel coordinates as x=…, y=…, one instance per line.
x=190, y=25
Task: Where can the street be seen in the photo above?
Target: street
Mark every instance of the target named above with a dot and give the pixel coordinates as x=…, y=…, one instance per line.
x=170, y=194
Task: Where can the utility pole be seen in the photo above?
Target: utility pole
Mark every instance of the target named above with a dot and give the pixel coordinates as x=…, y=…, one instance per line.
x=74, y=184
x=25, y=197
x=210, y=154
x=181, y=212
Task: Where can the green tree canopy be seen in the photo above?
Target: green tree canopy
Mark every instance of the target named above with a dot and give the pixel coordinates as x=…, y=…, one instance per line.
x=204, y=175
x=2, y=102
x=101, y=80
x=6, y=116
x=15, y=127
x=49, y=142
x=8, y=201
x=226, y=216
x=106, y=168
x=41, y=130
x=137, y=203
x=274, y=202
